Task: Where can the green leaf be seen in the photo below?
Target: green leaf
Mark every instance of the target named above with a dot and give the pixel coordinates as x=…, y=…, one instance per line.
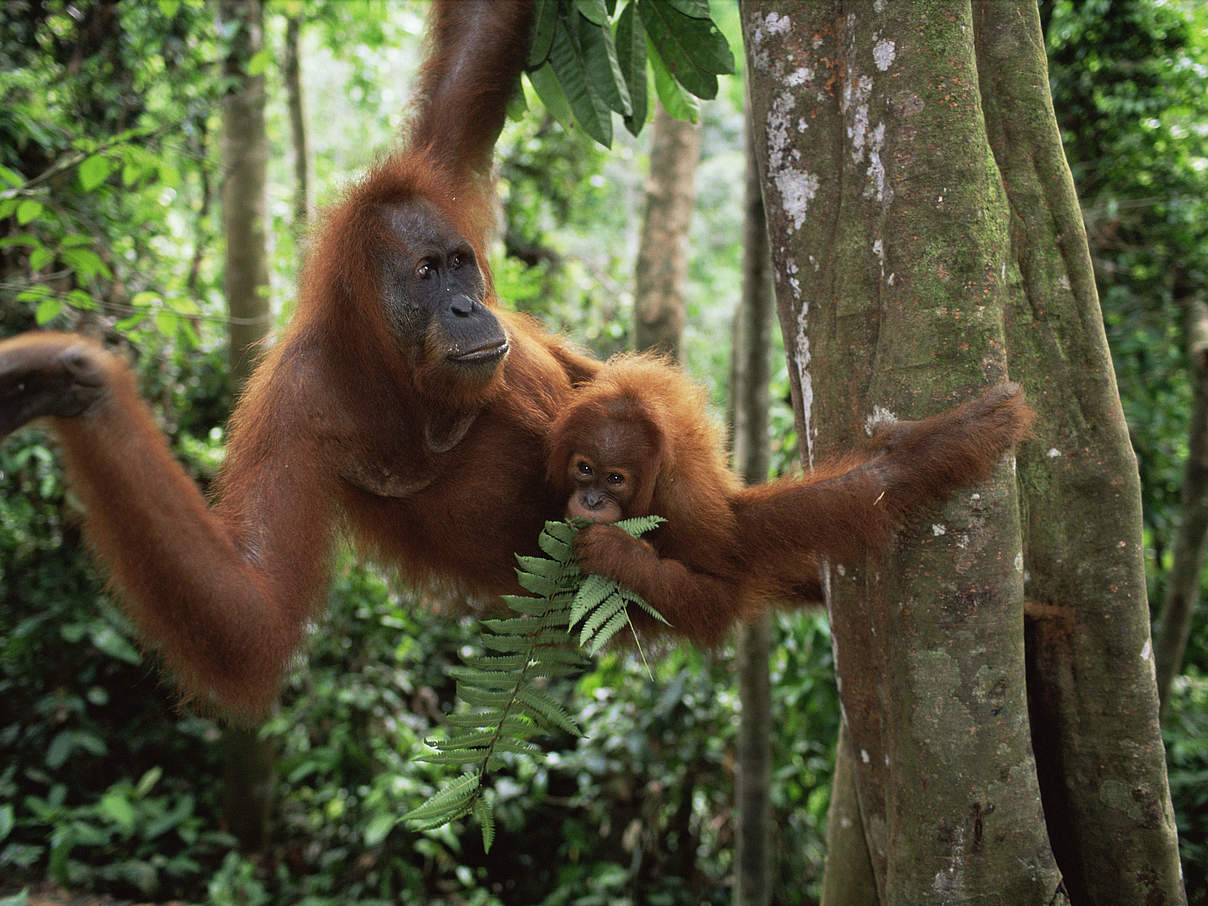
x=523, y=625
x=545, y=83
x=697, y=9
x=93, y=171
x=12, y=177
x=594, y=11
x=592, y=593
x=540, y=566
x=486, y=819
x=7, y=820
x=27, y=210
x=545, y=19
x=48, y=309
x=107, y=640
x=693, y=50
x=538, y=585
x=259, y=61
x=489, y=717
x=555, y=547
x=40, y=258
x=640, y=525
x=378, y=828
x=570, y=65
x=481, y=679
x=148, y=781
x=631, y=57
x=448, y=801
x=611, y=628
x=675, y=100
x=86, y=263
x=611, y=606
x=117, y=808
x=457, y=757
x=600, y=58
x=547, y=711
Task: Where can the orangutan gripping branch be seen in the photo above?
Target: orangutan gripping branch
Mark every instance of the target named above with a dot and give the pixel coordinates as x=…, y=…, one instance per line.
x=636, y=441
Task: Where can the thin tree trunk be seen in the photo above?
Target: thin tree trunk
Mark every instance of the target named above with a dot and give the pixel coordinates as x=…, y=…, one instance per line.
x=662, y=266
x=925, y=236
x=1183, y=585
x=250, y=761
x=244, y=199
x=752, y=373
x=292, y=72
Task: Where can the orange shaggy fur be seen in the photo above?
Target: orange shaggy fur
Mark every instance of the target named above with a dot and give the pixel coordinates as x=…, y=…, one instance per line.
x=727, y=550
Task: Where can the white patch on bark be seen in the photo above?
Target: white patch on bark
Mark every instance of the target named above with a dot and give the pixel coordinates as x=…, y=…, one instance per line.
x=797, y=189
x=1019, y=562
x=807, y=382
x=1147, y=651
x=951, y=880
x=865, y=757
x=880, y=416
x=883, y=54
x=799, y=77
x=796, y=186
x=937, y=530
x=1054, y=453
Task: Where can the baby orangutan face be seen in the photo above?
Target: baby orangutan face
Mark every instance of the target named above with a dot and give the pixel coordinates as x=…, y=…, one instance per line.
x=599, y=492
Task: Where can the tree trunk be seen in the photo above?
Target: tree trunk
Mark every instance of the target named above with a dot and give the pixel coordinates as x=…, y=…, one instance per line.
x=662, y=266
x=926, y=242
x=1183, y=585
x=292, y=72
x=749, y=390
x=245, y=172
x=250, y=760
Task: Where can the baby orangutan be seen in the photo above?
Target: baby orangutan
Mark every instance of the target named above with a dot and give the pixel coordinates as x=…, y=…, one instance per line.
x=636, y=440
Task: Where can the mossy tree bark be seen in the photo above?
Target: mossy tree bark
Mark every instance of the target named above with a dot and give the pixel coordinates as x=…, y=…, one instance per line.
x=926, y=243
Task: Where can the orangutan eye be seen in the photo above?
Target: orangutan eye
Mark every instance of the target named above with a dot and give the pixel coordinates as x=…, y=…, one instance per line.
x=616, y=479
x=424, y=270
x=583, y=468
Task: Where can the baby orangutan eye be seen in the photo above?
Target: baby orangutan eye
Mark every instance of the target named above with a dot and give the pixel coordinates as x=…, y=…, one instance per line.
x=615, y=478
x=583, y=467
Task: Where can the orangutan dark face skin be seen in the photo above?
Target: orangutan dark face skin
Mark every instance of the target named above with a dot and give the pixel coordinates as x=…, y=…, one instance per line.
x=602, y=492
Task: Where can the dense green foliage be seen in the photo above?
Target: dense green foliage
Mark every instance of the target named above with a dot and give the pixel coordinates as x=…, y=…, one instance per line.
x=108, y=224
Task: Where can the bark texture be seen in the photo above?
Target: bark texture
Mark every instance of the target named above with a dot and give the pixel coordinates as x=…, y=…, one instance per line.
x=292, y=72
x=926, y=243
x=245, y=172
x=662, y=266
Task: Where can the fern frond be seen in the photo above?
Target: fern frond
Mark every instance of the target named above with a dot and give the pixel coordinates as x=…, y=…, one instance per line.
x=608, y=608
x=449, y=799
x=640, y=525
x=615, y=624
x=485, y=814
x=543, y=709
x=540, y=566
x=529, y=606
x=507, y=707
x=537, y=584
x=591, y=594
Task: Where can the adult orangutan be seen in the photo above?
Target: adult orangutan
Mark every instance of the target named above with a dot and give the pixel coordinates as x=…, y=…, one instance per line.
x=399, y=396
